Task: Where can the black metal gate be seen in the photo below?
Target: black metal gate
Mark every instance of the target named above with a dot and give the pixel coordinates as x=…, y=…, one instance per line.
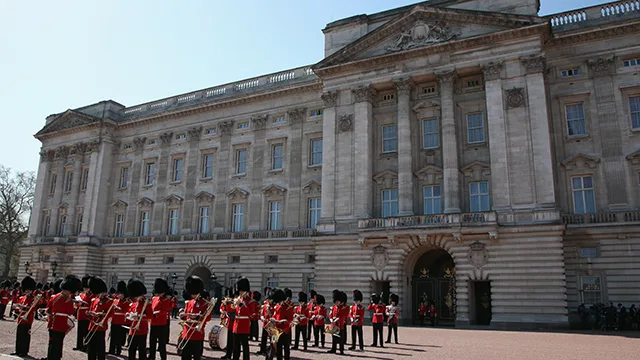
x=441, y=291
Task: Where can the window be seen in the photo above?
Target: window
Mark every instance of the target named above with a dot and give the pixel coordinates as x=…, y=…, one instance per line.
x=207, y=166
x=62, y=229
x=114, y=260
x=311, y=259
x=153, y=142
x=203, y=224
x=276, y=156
x=278, y=119
x=272, y=259
x=316, y=152
x=69, y=259
x=177, y=169
x=273, y=282
x=149, y=172
x=432, y=202
x=389, y=139
x=316, y=112
x=591, y=290
x=472, y=82
x=52, y=183
x=140, y=260
x=46, y=226
x=631, y=62
x=634, y=109
x=311, y=283
x=388, y=97
x=584, y=201
x=428, y=90
x=45, y=258
x=479, y=196
x=79, y=219
x=68, y=181
x=570, y=72
x=174, y=217
x=211, y=131
x=588, y=252
x=238, y=217
x=475, y=128
x=275, y=212
x=124, y=177
x=241, y=161
x=169, y=260
x=84, y=179
x=119, y=225
x=430, y=138
x=234, y=259
x=145, y=222
x=181, y=137
x=315, y=207
x=243, y=125
x=575, y=119
x=127, y=146
x=389, y=203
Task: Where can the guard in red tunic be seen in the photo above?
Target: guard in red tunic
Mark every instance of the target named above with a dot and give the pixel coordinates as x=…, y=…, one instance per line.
x=256, y=296
x=99, y=313
x=161, y=306
x=121, y=307
x=196, y=315
x=319, y=316
x=266, y=312
x=25, y=316
x=290, y=307
x=83, y=321
x=15, y=297
x=60, y=309
x=356, y=315
x=377, y=318
x=301, y=313
x=140, y=314
x=228, y=315
x=282, y=318
x=245, y=308
x=422, y=310
x=339, y=317
x=5, y=296
x=393, y=313
x=311, y=309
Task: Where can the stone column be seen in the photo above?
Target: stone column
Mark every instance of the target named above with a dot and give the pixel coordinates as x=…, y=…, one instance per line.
x=363, y=150
x=222, y=182
x=253, y=209
x=60, y=156
x=91, y=193
x=405, y=162
x=161, y=184
x=451, y=173
x=328, y=194
x=135, y=173
x=500, y=184
x=191, y=174
x=41, y=193
x=78, y=154
x=292, y=213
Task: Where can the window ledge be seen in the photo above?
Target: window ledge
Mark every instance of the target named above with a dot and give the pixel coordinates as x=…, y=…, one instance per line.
x=475, y=145
x=430, y=151
x=389, y=155
x=276, y=171
x=147, y=186
x=175, y=182
x=575, y=138
x=635, y=130
x=239, y=175
x=122, y=189
x=207, y=179
x=316, y=166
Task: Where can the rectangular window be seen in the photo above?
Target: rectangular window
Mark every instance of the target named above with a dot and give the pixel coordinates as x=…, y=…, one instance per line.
x=124, y=177
x=588, y=252
x=432, y=200
x=79, y=220
x=479, y=196
x=389, y=139
x=430, y=138
x=428, y=90
x=46, y=226
x=243, y=125
x=311, y=259
x=475, y=128
x=238, y=217
x=68, y=181
x=62, y=229
x=181, y=137
x=119, y=225
x=145, y=223
x=316, y=112
x=140, y=260
x=311, y=283
x=634, y=109
x=315, y=207
x=203, y=224
x=272, y=259
x=114, y=260
x=631, y=62
x=273, y=282
x=591, y=290
x=276, y=156
x=275, y=214
x=389, y=203
x=575, y=119
x=52, y=183
x=316, y=152
x=174, y=219
x=207, y=166
x=149, y=173
x=278, y=119
x=169, y=259
x=177, y=169
x=84, y=179
x=584, y=201
x=570, y=72
x=241, y=161
x=234, y=259
x=211, y=131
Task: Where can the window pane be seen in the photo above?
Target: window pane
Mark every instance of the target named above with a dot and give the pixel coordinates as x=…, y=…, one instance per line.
x=484, y=188
x=475, y=128
x=473, y=188
x=389, y=143
x=589, y=201
x=576, y=183
x=276, y=161
x=316, y=152
x=484, y=203
x=430, y=135
x=578, y=202
x=587, y=182
x=436, y=191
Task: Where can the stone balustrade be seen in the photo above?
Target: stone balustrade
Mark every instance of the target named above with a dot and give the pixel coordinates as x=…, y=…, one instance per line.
x=601, y=219
x=245, y=235
x=609, y=11
x=429, y=221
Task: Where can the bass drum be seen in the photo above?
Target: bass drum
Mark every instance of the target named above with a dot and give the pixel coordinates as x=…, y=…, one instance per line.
x=218, y=337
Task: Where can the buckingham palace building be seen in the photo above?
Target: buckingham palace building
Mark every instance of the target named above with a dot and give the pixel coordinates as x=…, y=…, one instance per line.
x=466, y=151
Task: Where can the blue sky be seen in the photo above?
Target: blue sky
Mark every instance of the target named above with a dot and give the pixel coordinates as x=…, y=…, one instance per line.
x=56, y=55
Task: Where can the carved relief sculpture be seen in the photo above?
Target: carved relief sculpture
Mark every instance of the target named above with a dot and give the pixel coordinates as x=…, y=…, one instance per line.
x=345, y=123
x=600, y=65
x=478, y=254
x=422, y=34
x=515, y=98
x=380, y=257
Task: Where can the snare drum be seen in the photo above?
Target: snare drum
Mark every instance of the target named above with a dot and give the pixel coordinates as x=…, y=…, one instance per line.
x=70, y=324
x=218, y=337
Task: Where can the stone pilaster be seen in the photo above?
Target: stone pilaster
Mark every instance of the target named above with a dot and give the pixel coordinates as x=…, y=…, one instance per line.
x=223, y=158
x=41, y=193
x=291, y=215
x=78, y=155
x=160, y=184
x=60, y=158
x=190, y=178
x=135, y=174
x=327, y=216
x=364, y=150
x=450, y=170
x=255, y=202
x=99, y=186
x=405, y=162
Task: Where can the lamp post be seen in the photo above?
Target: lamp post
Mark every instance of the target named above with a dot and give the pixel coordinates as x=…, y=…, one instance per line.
x=27, y=268
x=174, y=280
x=54, y=266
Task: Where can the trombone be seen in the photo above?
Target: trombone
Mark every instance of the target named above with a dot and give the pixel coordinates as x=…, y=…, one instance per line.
x=192, y=329
x=24, y=315
x=137, y=323
x=99, y=324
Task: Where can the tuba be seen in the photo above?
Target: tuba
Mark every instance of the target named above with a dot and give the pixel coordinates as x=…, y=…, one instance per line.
x=273, y=331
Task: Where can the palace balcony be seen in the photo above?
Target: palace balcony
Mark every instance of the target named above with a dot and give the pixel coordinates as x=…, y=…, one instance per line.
x=429, y=221
x=601, y=219
x=245, y=235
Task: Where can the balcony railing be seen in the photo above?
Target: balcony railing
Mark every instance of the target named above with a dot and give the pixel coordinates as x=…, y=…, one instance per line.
x=602, y=219
x=245, y=235
x=429, y=221
x=605, y=12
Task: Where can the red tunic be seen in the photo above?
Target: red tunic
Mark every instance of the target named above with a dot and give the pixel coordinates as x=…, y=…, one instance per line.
x=266, y=311
x=60, y=307
x=161, y=306
x=104, y=310
x=311, y=307
x=190, y=330
x=136, y=308
x=320, y=314
x=121, y=309
x=25, y=304
x=423, y=309
x=255, y=316
x=15, y=296
x=86, y=297
x=281, y=315
x=174, y=302
x=303, y=314
x=242, y=323
x=5, y=296
x=356, y=314
x=395, y=311
x=378, y=313
x=224, y=310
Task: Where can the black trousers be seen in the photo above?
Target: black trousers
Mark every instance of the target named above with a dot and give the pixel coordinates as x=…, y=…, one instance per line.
x=23, y=339
x=394, y=328
x=310, y=327
x=254, y=330
x=158, y=337
x=263, y=340
x=318, y=332
x=230, y=340
x=341, y=339
x=56, y=341
x=118, y=337
x=301, y=329
x=83, y=329
x=138, y=344
x=241, y=340
x=283, y=352
x=193, y=350
x=377, y=332
x=357, y=330
x=168, y=331
x=96, y=347
x=3, y=308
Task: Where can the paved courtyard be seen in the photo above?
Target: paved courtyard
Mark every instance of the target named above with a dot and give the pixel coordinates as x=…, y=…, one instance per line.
x=419, y=343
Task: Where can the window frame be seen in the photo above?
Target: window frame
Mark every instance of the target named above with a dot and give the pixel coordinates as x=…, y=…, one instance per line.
x=274, y=157
x=203, y=220
x=274, y=215
x=436, y=133
x=143, y=222
x=314, y=213
x=53, y=182
x=238, y=162
x=68, y=181
x=391, y=202
x=173, y=222
x=62, y=226
x=205, y=165
x=479, y=195
x=314, y=152
x=79, y=220
x=237, y=226
x=177, y=169
x=469, y=128
x=632, y=113
x=583, y=291
x=84, y=179
x=118, y=225
x=431, y=199
x=124, y=177
x=394, y=140
x=567, y=120
x=150, y=167
x=582, y=190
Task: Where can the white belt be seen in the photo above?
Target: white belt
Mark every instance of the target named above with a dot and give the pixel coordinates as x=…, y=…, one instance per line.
x=379, y=314
x=119, y=314
x=61, y=314
x=242, y=317
x=83, y=307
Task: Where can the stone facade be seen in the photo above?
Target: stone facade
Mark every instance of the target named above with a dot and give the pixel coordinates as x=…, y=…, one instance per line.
x=500, y=141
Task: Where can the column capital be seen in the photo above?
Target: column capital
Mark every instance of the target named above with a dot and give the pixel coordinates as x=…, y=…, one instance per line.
x=447, y=76
x=139, y=142
x=166, y=138
x=259, y=121
x=534, y=63
x=364, y=93
x=226, y=127
x=296, y=115
x=403, y=85
x=194, y=133
x=330, y=98
x=492, y=70
x=46, y=155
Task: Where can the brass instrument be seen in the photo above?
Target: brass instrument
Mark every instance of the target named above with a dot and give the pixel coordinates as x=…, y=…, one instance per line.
x=199, y=324
x=332, y=329
x=138, y=321
x=99, y=324
x=296, y=320
x=273, y=331
x=24, y=315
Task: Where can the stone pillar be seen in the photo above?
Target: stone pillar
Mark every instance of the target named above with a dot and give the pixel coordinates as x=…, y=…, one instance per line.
x=101, y=188
x=190, y=177
x=90, y=193
x=500, y=184
x=363, y=150
x=253, y=214
x=451, y=173
x=223, y=159
x=405, y=162
x=135, y=173
x=60, y=156
x=41, y=193
x=292, y=213
x=78, y=155
x=161, y=183
x=327, y=216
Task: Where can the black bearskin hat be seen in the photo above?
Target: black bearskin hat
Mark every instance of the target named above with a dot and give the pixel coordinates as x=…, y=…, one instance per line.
x=56, y=286
x=46, y=287
x=160, y=286
x=320, y=299
x=302, y=297
x=343, y=297
x=205, y=294
x=122, y=288
x=39, y=286
x=278, y=296
x=375, y=298
x=288, y=293
x=136, y=288
x=242, y=284
x=16, y=285
x=194, y=285
x=336, y=296
x=394, y=298
x=257, y=296
x=6, y=284
x=271, y=293
x=97, y=286
x=357, y=295
x=71, y=283
x=312, y=294
x=28, y=283
x=112, y=291
x=85, y=281
x=185, y=295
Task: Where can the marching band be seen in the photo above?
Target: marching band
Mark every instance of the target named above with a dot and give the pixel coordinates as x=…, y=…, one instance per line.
x=133, y=317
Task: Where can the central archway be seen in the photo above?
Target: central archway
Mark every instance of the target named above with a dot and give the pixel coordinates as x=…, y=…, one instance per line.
x=204, y=273
x=433, y=276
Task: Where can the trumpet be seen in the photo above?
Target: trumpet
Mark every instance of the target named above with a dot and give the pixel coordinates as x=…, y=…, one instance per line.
x=99, y=324
x=199, y=324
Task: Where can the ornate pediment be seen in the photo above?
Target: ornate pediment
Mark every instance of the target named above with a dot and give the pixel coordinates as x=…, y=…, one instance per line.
x=476, y=170
x=119, y=205
x=386, y=179
x=426, y=105
x=204, y=197
x=429, y=174
x=145, y=202
x=273, y=190
x=67, y=120
x=237, y=193
x=311, y=187
x=634, y=157
x=173, y=199
x=422, y=33
x=581, y=161
x=63, y=207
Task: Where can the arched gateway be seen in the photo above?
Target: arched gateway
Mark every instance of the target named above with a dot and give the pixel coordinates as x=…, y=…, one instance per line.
x=433, y=278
